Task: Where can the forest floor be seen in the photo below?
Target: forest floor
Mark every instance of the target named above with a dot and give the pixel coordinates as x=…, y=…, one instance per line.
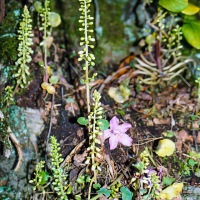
x=155, y=113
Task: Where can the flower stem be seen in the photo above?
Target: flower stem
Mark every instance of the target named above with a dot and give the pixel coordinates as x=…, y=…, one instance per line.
x=86, y=62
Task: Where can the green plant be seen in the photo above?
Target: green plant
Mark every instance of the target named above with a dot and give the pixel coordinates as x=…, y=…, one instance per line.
x=24, y=50
x=95, y=122
x=41, y=177
x=114, y=190
x=147, y=180
x=191, y=24
x=49, y=20
x=59, y=181
x=58, y=176
x=45, y=26
x=166, y=62
x=86, y=41
x=8, y=99
x=190, y=164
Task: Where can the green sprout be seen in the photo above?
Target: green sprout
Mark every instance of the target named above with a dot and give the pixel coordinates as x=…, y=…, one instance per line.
x=86, y=41
x=58, y=173
x=24, y=49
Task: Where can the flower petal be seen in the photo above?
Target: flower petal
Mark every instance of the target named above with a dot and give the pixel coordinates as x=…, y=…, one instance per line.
x=125, y=139
x=114, y=122
x=113, y=141
x=107, y=133
x=122, y=128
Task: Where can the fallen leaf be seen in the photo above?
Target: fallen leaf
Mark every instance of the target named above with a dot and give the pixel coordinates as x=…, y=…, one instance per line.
x=165, y=147
x=72, y=107
x=179, y=145
x=80, y=133
x=184, y=136
x=161, y=121
x=80, y=158
x=172, y=191
x=145, y=96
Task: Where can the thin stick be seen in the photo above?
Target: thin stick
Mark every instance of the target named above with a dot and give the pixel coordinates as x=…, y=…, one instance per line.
x=19, y=149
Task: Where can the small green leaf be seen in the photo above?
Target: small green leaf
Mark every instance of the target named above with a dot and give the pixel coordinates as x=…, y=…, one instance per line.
x=126, y=193
x=78, y=197
x=103, y=124
x=80, y=180
x=54, y=19
x=168, y=134
x=96, y=186
x=193, y=117
x=139, y=166
x=44, y=176
x=53, y=80
x=88, y=179
x=104, y=191
x=192, y=162
x=82, y=121
x=69, y=190
x=191, y=30
x=121, y=112
x=173, y=5
x=38, y=6
x=142, y=191
x=82, y=81
x=167, y=180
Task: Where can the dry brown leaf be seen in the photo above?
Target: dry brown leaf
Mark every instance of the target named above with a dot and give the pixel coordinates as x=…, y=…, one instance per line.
x=161, y=121
x=145, y=96
x=72, y=107
x=80, y=158
x=179, y=145
x=183, y=136
x=80, y=133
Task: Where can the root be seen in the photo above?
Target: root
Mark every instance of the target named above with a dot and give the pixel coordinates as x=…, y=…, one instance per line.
x=19, y=149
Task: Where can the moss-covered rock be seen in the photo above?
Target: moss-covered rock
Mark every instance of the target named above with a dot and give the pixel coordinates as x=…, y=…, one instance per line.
x=8, y=33
x=114, y=25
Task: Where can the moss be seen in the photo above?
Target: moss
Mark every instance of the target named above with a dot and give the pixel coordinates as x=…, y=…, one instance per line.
x=8, y=33
x=4, y=135
x=17, y=121
x=8, y=48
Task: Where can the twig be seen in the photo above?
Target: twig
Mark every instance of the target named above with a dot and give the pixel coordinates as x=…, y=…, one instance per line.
x=151, y=140
x=72, y=153
x=18, y=147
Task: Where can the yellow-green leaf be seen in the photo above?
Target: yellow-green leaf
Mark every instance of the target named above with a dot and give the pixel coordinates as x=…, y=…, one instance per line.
x=191, y=30
x=171, y=191
x=173, y=5
x=54, y=19
x=165, y=147
x=190, y=9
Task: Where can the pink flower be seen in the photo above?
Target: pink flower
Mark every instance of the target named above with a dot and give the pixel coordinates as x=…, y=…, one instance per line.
x=116, y=133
